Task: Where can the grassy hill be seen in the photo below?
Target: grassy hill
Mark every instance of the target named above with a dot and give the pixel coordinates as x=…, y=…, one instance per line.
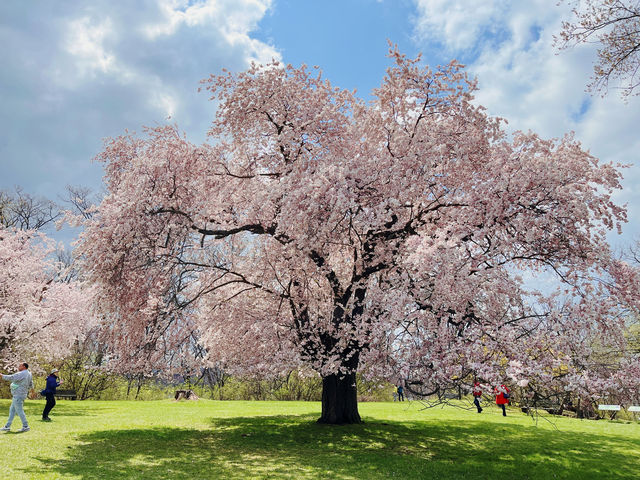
x=210, y=440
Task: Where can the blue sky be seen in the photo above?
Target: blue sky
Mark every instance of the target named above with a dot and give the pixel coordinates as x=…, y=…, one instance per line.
x=347, y=39
x=75, y=72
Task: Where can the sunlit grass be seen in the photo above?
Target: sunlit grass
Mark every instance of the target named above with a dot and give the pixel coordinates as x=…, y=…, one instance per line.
x=210, y=440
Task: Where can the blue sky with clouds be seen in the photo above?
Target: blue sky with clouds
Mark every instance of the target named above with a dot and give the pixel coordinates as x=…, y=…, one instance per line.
x=75, y=72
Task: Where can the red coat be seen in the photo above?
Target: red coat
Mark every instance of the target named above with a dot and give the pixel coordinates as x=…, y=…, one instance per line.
x=477, y=390
x=500, y=400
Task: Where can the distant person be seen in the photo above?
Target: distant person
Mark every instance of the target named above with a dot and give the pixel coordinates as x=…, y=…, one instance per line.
x=21, y=383
x=400, y=392
x=502, y=398
x=50, y=393
x=477, y=395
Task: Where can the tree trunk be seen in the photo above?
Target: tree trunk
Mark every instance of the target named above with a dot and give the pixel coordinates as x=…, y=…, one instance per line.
x=129, y=382
x=339, y=400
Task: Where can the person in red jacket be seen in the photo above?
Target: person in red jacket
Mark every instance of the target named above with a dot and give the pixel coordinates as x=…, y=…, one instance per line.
x=502, y=398
x=477, y=395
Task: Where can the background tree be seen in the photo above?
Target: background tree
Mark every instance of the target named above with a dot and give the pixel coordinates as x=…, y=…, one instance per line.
x=44, y=306
x=41, y=316
x=82, y=202
x=615, y=26
x=85, y=367
x=320, y=230
x=20, y=210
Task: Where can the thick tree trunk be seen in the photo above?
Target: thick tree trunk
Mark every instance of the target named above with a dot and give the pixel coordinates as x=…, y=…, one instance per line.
x=339, y=400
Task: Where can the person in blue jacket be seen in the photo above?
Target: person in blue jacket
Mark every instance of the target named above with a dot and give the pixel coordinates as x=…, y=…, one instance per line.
x=49, y=392
x=400, y=392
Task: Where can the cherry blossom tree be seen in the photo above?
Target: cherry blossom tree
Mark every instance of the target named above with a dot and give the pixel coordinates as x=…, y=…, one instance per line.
x=588, y=355
x=615, y=26
x=388, y=237
x=41, y=314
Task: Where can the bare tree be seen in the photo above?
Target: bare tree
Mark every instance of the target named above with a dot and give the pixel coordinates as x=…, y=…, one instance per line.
x=24, y=211
x=82, y=200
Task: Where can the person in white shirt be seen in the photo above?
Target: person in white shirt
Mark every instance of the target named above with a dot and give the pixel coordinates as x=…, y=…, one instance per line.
x=21, y=383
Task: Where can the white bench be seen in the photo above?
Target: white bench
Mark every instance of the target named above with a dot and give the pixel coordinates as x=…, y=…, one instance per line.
x=633, y=408
x=613, y=409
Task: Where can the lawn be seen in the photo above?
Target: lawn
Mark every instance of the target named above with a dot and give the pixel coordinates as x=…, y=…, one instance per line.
x=210, y=440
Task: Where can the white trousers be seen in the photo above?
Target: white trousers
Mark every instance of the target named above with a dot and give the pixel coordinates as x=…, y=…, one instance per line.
x=17, y=406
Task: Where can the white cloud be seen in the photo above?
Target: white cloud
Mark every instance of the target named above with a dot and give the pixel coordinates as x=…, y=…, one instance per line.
x=456, y=24
x=525, y=80
x=85, y=42
x=80, y=71
x=234, y=18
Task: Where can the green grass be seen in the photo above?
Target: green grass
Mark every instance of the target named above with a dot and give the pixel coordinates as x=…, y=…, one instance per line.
x=210, y=440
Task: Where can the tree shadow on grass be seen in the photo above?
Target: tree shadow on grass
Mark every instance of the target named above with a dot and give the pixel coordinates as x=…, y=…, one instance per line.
x=65, y=408
x=297, y=447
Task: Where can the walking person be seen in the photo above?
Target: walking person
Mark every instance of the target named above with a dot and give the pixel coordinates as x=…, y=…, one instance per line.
x=477, y=395
x=502, y=398
x=400, y=393
x=50, y=393
x=21, y=384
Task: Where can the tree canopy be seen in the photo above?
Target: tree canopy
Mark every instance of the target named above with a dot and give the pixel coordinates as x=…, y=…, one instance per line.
x=388, y=237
